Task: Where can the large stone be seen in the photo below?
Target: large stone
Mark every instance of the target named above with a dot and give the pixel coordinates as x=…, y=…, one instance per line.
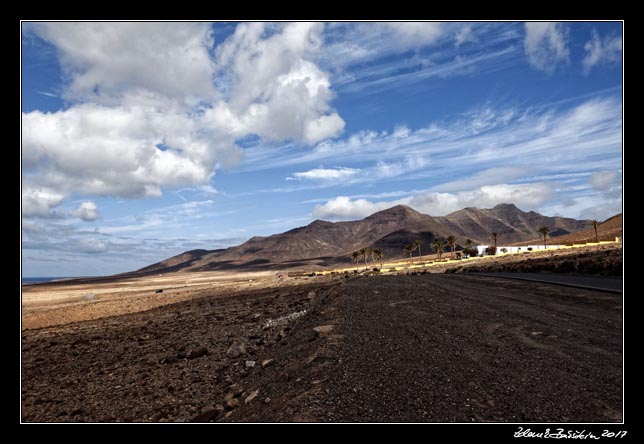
x=236, y=349
x=267, y=362
x=250, y=364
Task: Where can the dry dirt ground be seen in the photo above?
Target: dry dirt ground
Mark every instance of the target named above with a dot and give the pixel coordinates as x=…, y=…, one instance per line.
x=434, y=347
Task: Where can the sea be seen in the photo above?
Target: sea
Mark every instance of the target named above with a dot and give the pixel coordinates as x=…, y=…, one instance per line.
x=41, y=279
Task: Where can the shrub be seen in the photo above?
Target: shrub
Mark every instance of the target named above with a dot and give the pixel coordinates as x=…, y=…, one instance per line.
x=470, y=252
x=490, y=251
x=504, y=250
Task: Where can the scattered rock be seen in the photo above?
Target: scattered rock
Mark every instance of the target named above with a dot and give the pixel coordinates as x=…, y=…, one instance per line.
x=229, y=396
x=311, y=295
x=236, y=349
x=250, y=397
x=267, y=401
x=232, y=403
x=267, y=362
x=169, y=360
x=197, y=353
x=323, y=330
x=159, y=291
x=206, y=416
x=250, y=364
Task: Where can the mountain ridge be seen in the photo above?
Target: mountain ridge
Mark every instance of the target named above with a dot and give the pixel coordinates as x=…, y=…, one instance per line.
x=323, y=243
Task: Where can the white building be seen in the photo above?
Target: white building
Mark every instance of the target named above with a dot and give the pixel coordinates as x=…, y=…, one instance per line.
x=512, y=249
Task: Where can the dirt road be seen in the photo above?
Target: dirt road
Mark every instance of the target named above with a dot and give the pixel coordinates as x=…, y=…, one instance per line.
x=436, y=348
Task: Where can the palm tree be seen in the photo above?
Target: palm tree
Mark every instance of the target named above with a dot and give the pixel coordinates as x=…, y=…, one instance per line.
x=437, y=245
x=595, y=223
x=355, y=255
x=544, y=232
x=468, y=247
x=410, y=249
x=494, y=236
x=417, y=244
x=363, y=253
x=451, y=240
x=377, y=252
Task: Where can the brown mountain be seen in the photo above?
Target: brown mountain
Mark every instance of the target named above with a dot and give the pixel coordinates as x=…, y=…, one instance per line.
x=323, y=243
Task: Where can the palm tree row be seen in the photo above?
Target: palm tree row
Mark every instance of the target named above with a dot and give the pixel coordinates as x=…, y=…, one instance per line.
x=375, y=254
x=439, y=245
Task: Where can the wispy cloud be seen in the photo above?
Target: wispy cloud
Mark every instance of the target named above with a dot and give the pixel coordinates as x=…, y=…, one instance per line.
x=546, y=45
x=48, y=94
x=544, y=140
x=607, y=50
x=325, y=174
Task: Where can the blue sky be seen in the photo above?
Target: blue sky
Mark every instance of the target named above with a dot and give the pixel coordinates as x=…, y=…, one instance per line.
x=143, y=140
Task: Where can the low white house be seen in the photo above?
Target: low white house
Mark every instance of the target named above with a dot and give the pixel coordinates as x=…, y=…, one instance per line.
x=482, y=248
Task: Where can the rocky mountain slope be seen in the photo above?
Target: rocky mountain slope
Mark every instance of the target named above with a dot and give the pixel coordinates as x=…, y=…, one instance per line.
x=323, y=243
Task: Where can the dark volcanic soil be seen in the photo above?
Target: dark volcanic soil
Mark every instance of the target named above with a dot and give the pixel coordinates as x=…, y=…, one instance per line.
x=605, y=260
x=393, y=348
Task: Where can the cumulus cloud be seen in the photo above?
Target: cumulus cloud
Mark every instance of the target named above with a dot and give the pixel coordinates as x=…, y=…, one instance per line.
x=545, y=45
x=87, y=211
x=100, y=150
x=146, y=114
x=603, y=180
x=104, y=60
x=438, y=204
x=602, y=51
x=40, y=201
x=275, y=90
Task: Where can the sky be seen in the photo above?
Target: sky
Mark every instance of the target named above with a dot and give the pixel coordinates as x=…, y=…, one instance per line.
x=144, y=140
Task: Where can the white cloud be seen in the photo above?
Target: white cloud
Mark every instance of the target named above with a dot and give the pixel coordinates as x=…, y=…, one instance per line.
x=489, y=176
x=93, y=246
x=438, y=204
x=602, y=51
x=545, y=45
x=465, y=35
x=603, y=180
x=102, y=150
x=87, y=211
x=275, y=90
x=546, y=141
x=344, y=208
x=145, y=113
x=40, y=201
x=334, y=174
x=415, y=33
x=105, y=60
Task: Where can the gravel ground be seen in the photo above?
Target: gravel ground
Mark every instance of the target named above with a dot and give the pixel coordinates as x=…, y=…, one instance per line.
x=435, y=348
x=446, y=348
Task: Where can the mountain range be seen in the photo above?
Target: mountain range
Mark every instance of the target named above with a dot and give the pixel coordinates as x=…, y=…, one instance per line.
x=324, y=244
